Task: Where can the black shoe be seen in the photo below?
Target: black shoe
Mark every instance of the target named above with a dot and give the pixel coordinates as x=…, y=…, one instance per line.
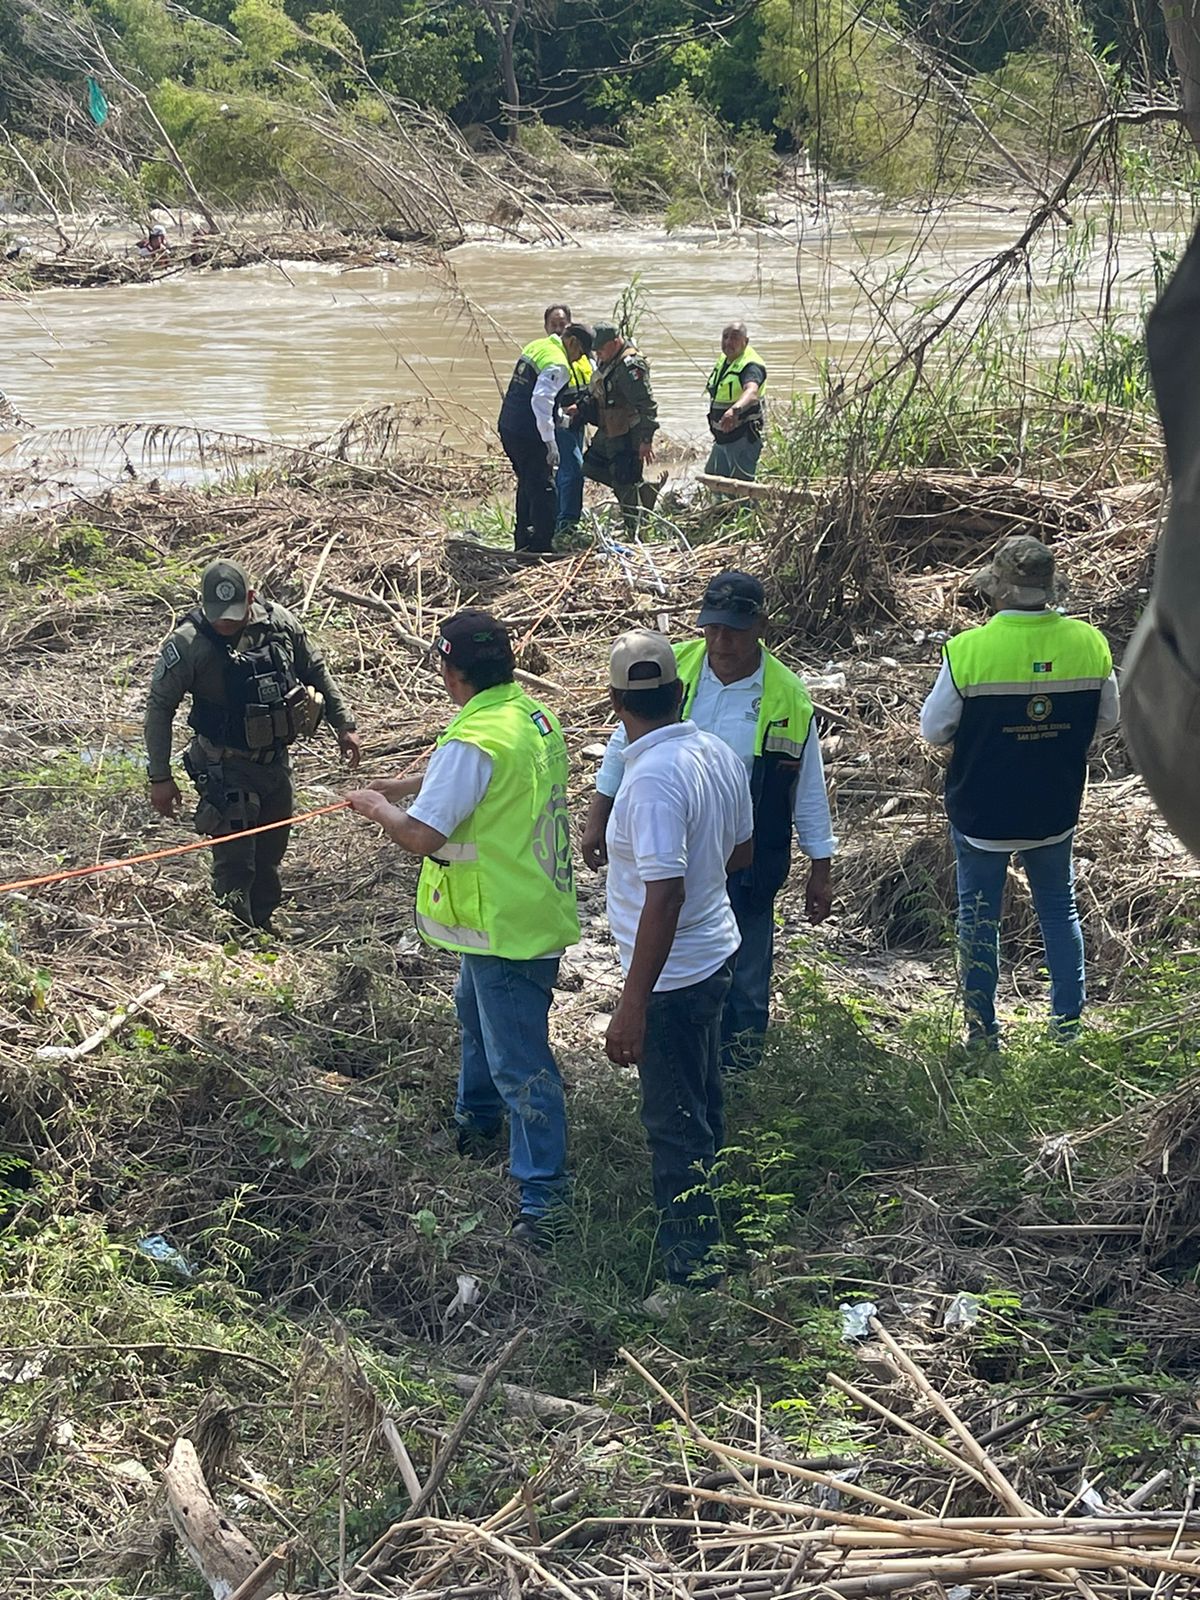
x=533, y=1232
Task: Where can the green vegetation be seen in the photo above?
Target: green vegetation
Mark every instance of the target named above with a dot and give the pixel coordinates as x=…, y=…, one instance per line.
x=256, y=103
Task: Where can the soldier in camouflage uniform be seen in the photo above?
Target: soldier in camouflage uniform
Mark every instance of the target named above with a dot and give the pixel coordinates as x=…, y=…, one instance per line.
x=257, y=684
x=620, y=404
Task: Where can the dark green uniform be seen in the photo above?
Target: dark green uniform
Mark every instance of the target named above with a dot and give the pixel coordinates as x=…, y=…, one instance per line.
x=238, y=756
x=621, y=404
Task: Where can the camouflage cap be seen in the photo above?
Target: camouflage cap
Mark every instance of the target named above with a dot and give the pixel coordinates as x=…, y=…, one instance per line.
x=604, y=331
x=1021, y=573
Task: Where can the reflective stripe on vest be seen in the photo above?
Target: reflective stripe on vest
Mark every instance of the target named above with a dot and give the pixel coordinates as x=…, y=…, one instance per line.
x=725, y=381
x=451, y=938
x=1030, y=685
x=503, y=882
x=457, y=852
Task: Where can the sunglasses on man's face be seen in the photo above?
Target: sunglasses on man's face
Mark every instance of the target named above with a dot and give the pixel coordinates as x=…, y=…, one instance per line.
x=739, y=603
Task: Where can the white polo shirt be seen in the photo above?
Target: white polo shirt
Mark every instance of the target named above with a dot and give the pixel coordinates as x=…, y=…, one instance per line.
x=682, y=809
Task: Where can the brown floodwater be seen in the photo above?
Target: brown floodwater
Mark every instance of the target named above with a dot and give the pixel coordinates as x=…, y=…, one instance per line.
x=289, y=351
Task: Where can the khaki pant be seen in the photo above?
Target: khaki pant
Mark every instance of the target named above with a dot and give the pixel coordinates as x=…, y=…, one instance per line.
x=245, y=872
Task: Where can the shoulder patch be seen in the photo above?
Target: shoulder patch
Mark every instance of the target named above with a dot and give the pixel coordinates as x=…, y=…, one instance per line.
x=638, y=372
x=170, y=655
x=541, y=722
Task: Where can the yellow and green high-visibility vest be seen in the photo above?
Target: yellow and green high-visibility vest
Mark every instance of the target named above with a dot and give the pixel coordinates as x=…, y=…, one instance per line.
x=503, y=883
x=1030, y=684
x=516, y=409
x=785, y=723
x=724, y=387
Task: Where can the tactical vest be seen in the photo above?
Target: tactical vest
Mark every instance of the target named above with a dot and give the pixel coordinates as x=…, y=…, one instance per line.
x=265, y=705
x=725, y=388
x=516, y=410
x=1030, y=686
x=785, y=716
x=503, y=883
x=614, y=416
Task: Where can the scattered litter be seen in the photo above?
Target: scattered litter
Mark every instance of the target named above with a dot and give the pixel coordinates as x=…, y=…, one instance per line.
x=134, y=1472
x=466, y=1297
x=963, y=1311
x=856, y=1318
x=18, y=1371
x=155, y=1248
x=830, y=1498
x=959, y=1591
x=1088, y=1497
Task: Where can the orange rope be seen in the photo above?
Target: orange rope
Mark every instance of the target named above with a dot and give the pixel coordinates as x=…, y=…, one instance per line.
x=174, y=850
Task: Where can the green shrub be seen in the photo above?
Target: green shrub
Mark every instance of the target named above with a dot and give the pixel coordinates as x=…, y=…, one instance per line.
x=681, y=158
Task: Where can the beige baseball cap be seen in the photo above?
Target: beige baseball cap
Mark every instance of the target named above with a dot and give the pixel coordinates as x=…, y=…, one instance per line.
x=642, y=659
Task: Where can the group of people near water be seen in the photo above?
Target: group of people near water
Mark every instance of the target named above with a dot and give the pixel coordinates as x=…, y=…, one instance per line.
x=578, y=376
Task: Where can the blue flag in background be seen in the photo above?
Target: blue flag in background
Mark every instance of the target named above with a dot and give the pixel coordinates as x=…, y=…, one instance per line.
x=97, y=104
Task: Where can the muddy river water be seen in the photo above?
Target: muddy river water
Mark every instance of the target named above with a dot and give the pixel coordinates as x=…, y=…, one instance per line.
x=289, y=351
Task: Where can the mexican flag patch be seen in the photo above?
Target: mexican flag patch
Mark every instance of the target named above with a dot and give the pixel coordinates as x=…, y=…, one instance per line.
x=1043, y=666
x=541, y=722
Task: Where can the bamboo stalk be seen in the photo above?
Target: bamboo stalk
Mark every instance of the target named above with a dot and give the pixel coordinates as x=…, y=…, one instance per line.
x=955, y=1462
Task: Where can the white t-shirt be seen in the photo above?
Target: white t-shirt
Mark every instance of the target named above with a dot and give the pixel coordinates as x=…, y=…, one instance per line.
x=682, y=809
x=730, y=711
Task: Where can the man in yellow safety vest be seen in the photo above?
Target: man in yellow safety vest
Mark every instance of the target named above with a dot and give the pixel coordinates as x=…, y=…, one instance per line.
x=1020, y=700
x=735, y=413
x=490, y=822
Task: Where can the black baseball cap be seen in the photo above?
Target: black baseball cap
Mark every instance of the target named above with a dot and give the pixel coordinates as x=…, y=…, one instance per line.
x=469, y=637
x=224, y=589
x=732, y=600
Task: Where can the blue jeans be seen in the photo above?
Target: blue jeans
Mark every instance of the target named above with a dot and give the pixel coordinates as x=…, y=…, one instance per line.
x=736, y=458
x=1051, y=873
x=569, y=479
x=683, y=1113
x=504, y=1009
x=748, y=1008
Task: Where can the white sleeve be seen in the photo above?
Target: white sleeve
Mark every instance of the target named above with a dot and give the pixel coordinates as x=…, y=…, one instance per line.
x=612, y=768
x=810, y=812
x=744, y=821
x=942, y=711
x=545, y=392
x=657, y=822
x=456, y=780
x=1110, y=705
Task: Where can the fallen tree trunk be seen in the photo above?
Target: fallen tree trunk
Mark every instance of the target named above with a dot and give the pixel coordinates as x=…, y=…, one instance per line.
x=218, y=1549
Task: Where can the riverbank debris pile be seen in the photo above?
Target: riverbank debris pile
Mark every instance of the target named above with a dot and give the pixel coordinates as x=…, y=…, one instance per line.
x=278, y=1111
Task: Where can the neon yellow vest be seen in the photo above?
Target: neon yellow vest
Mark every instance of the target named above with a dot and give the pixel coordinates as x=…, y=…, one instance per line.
x=785, y=717
x=1030, y=685
x=725, y=384
x=580, y=374
x=503, y=883
x=545, y=352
